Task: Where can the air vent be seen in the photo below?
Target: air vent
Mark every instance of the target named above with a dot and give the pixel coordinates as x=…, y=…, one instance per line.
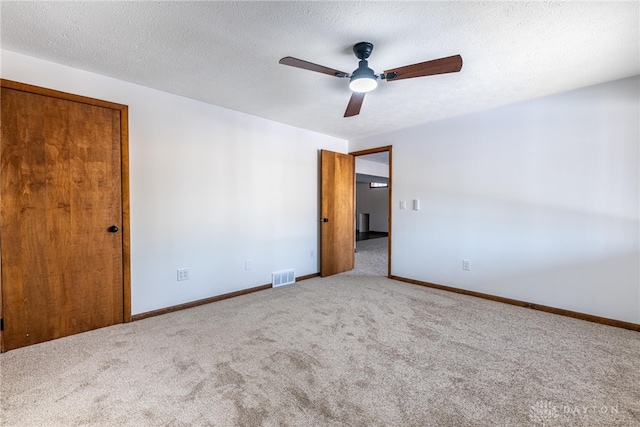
x=284, y=277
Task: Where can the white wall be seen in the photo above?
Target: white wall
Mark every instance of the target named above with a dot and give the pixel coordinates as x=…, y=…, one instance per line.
x=375, y=202
x=210, y=188
x=368, y=167
x=542, y=197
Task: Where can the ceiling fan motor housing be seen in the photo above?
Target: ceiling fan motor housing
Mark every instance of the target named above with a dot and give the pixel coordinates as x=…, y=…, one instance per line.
x=363, y=79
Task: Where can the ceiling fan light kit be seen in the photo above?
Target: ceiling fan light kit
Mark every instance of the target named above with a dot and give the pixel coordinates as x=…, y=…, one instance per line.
x=364, y=79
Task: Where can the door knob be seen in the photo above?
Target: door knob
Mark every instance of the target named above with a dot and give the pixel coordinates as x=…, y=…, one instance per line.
x=325, y=219
x=113, y=229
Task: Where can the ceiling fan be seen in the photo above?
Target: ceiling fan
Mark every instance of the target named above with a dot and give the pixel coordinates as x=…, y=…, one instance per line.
x=364, y=80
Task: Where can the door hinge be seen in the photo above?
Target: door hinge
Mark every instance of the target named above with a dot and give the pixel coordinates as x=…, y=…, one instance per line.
x=1, y=324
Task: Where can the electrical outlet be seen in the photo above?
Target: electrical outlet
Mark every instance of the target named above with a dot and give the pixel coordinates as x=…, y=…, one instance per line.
x=183, y=274
x=403, y=204
x=465, y=264
x=248, y=264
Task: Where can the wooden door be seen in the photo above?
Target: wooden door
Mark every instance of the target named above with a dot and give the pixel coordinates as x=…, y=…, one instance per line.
x=337, y=236
x=60, y=192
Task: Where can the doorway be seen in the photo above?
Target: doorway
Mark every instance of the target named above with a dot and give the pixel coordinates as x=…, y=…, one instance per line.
x=373, y=211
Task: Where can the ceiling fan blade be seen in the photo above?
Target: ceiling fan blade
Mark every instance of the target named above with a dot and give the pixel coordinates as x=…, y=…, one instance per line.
x=450, y=64
x=299, y=63
x=353, y=109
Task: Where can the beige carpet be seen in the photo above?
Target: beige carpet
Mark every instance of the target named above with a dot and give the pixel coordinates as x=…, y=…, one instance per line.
x=371, y=257
x=341, y=351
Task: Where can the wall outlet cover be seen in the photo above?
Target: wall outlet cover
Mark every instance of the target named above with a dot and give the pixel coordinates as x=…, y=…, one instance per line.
x=183, y=274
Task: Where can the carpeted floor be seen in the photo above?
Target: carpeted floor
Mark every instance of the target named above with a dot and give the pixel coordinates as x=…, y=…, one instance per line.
x=347, y=350
x=371, y=258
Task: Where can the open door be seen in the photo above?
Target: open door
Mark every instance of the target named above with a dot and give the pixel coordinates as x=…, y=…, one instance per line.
x=337, y=235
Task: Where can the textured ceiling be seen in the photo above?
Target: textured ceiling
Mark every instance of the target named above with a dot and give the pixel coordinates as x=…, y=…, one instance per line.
x=226, y=53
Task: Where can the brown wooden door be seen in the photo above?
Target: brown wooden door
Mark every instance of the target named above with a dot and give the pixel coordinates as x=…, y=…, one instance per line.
x=337, y=236
x=62, y=270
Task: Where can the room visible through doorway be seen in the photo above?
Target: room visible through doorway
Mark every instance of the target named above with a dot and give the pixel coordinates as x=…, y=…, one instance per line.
x=372, y=222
